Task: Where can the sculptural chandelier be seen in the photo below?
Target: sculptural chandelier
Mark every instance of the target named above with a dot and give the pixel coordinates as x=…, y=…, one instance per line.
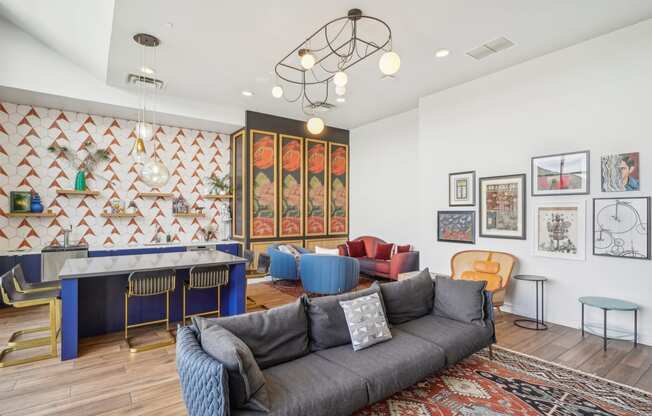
x=320, y=63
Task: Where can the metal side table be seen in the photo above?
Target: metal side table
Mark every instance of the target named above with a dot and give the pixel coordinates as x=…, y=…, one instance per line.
x=536, y=324
x=610, y=304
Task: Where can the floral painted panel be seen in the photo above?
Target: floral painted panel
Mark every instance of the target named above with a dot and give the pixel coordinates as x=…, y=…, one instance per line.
x=315, y=187
x=291, y=182
x=238, y=149
x=263, y=184
x=338, y=207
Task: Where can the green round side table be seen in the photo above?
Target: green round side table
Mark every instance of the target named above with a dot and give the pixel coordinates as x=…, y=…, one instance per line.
x=610, y=304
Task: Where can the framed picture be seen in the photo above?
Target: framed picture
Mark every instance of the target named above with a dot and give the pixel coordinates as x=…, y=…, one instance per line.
x=263, y=214
x=620, y=173
x=461, y=189
x=20, y=201
x=291, y=186
x=456, y=226
x=560, y=230
x=561, y=174
x=621, y=227
x=502, y=207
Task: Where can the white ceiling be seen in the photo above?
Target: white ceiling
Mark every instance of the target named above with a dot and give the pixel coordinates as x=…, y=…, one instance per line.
x=216, y=49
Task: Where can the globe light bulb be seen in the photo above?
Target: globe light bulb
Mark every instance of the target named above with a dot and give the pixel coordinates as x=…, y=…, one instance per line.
x=307, y=60
x=277, y=91
x=389, y=63
x=340, y=79
x=144, y=130
x=340, y=90
x=315, y=125
x=154, y=173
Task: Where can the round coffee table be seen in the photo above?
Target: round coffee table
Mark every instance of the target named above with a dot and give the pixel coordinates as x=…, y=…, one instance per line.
x=536, y=324
x=610, y=304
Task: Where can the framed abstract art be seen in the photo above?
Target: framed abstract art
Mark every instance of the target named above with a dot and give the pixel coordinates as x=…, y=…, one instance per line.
x=621, y=227
x=502, y=206
x=456, y=226
x=620, y=173
x=561, y=174
x=461, y=189
x=560, y=230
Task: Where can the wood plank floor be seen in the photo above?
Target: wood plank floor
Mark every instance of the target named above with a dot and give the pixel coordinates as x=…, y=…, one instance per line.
x=108, y=380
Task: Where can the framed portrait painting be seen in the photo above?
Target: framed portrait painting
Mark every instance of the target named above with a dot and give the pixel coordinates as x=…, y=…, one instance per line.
x=620, y=173
x=502, y=207
x=621, y=227
x=560, y=230
x=461, y=189
x=456, y=226
x=561, y=174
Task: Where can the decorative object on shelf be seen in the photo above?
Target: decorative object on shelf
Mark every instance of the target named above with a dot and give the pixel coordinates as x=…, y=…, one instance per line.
x=338, y=206
x=20, y=201
x=561, y=174
x=326, y=55
x=621, y=227
x=502, y=207
x=263, y=184
x=291, y=186
x=315, y=187
x=620, y=173
x=217, y=185
x=35, y=205
x=456, y=226
x=131, y=208
x=208, y=232
x=461, y=189
x=180, y=205
x=85, y=164
x=559, y=230
x=117, y=206
x=224, y=213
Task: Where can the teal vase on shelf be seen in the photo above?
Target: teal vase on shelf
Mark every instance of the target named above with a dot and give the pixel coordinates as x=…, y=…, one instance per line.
x=80, y=181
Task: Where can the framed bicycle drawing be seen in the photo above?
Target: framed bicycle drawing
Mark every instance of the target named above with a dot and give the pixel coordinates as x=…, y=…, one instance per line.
x=621, y=227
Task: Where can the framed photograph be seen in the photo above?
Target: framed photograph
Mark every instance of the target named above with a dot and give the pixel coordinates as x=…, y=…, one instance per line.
x=621, y=227
x=461, y=189
x=560, y=230
x=620, y=173
x=502, y=207
x=20, y=201
x=561, y=174
x=456, y=226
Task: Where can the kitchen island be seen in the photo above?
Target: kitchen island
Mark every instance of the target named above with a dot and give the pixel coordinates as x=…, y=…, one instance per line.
x=92, y=292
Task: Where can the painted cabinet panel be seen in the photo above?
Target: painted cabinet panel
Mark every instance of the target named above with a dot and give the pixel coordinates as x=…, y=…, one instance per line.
x=291, y=186
x=338, y=182
x=262, y=177
x=315, y=187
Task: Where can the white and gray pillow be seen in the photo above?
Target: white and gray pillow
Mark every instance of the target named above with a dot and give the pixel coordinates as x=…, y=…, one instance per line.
x=366, y=321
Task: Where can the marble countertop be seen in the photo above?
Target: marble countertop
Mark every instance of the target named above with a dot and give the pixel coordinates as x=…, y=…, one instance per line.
x=125, y=247
x=121, y=265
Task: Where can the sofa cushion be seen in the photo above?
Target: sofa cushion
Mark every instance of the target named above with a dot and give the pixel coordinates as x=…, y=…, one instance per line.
x=461, y=300
x=371, y=266
x=403, y=249
x=327, y=322
x=356, y=248
x=408, y=299
x=245, y=377
x=366, y=321
x=391, y=366
x=274, y=336
x=384, y=251
x=328, y=251
x=457, y=339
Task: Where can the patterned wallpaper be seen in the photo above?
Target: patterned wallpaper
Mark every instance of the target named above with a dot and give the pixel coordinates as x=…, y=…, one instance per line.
x=25, y=164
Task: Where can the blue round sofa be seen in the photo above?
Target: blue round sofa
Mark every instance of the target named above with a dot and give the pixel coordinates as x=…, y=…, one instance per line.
x=327, y=275
x=283, y=265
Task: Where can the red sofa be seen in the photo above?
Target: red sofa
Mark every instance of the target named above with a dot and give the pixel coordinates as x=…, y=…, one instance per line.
x=369, y=265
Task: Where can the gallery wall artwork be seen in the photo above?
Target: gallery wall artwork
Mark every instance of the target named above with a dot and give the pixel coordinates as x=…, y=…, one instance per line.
x=561, y=174
x=315, y=184
x=502, y=206
x=559, y=230
x=620, y=173
x=291, y=186
x=461, y=189
x=621, y=227
x=262, y=175
x=456, y=226
x=338, y=180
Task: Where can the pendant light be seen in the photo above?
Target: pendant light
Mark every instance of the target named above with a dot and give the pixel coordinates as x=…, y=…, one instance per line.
x=315, y=125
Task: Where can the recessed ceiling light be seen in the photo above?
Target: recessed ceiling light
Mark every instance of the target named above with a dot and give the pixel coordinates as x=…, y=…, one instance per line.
x=247, y=93
x=147, y=70
x=442, y=53
x=341, y=100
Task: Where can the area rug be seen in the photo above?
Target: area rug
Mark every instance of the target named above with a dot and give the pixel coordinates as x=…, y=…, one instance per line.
x=513, y=384
x=294, y=287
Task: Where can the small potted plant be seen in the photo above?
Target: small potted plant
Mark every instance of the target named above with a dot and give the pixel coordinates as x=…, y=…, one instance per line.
x=85, y=164
x=217, y=185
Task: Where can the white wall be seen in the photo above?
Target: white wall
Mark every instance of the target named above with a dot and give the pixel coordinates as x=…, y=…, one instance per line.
x=384, y=179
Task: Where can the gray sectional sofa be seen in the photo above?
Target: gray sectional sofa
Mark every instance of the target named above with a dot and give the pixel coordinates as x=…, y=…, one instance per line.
x=298, y=358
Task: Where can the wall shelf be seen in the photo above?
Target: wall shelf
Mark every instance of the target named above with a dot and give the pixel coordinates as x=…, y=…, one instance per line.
x=189, y=214
x=154, y=195
x=105, y=215
x=46, y=214
x=75, y=192
x=210, y=196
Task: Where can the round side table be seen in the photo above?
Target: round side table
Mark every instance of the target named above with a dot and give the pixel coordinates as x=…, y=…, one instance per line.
x=610, y=304
x=533, y=324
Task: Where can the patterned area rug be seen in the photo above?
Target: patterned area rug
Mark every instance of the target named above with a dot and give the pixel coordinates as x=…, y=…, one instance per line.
x=513, y=384
x=294, y=287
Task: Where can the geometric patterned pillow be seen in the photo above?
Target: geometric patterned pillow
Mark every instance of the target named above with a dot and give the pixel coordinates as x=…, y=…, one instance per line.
x=366, y=321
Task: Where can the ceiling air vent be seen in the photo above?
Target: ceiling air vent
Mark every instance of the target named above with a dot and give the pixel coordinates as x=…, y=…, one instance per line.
x=320, y=107
x=490, y=48
x=139, y=80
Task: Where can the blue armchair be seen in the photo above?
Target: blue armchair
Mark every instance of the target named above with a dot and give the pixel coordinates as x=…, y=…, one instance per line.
x=283, y=266
x=329, y=275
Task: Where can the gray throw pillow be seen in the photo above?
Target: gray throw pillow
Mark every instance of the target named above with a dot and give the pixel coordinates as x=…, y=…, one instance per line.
x=274, y=336
x=408, y=299
x=327, y=321
x=461, y=300
x=366, y=321
x=245, y=378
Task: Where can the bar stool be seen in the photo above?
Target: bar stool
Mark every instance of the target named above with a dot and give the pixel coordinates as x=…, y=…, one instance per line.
x=205, y=277
x=150, y=283
x=12, y=297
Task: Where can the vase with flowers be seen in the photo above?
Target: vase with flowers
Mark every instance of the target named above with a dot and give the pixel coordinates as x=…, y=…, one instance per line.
x=84, y=160
x=217, y=185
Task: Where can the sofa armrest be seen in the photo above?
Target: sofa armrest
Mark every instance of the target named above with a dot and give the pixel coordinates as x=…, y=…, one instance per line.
x=343, y=251
x=204, y=382
x=403, y=262
x=283, y=265
x=489, y=312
